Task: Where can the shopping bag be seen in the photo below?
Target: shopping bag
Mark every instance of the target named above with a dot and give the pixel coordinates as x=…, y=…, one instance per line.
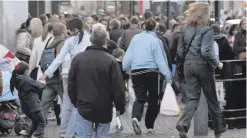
x=131, y=100
x=169, y=105
x=113, y=123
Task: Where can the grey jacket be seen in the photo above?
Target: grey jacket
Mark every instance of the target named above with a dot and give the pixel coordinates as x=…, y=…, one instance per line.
x=201, y=50
x=128, y=35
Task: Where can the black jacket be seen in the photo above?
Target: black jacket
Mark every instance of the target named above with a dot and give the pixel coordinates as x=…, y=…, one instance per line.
x=111, y=45
x=95, y=82
x=225, y=50
x=239, y=44
x=124, y=74
x=115, y=34
x=29, y=91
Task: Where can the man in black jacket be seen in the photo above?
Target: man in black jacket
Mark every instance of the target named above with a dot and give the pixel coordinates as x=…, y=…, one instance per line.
x=95, y=84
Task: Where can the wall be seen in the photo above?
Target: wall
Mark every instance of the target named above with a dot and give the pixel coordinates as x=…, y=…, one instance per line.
x=12, y=15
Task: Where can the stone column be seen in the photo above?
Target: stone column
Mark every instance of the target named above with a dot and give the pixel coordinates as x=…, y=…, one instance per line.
x=12, y=15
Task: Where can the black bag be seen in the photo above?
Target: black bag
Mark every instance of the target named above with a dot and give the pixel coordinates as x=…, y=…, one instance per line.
x=180, y=64
x=22, y=57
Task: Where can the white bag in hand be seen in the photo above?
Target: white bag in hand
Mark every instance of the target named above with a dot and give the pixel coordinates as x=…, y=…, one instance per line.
x=131, y=99
x=113, y=123
x=169, y=105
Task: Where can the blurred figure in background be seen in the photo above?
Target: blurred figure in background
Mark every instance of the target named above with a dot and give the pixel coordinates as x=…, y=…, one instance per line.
x=44, y=19
x=115, y=32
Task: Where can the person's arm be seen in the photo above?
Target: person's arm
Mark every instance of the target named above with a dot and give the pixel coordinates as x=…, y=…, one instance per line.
x=21, y=44
x=207, y=48
x=128, y=56
x=72, y=82
x=180, y=46
x=161, y=60
x=173, y=49
x=236, y=45
x=33, y=58
x=36, y=84
x=59, y=59
x=117, y=85
x=122, y=41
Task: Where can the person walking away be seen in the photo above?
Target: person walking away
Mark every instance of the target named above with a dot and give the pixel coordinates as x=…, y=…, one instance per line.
x=28, y=92
x=44, y=19
x=76, y=43
x=128, y=34
x=239, y=44
x=168, y=34
x=93, y=89
x=23, y=42
x=145, y=58
x=199, y=66
x=115, y=32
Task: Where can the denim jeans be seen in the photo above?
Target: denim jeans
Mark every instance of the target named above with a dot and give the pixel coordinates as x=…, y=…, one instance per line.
x=67, y=128
x=84, y=128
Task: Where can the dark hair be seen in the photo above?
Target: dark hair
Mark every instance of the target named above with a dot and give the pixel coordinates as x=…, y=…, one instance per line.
x=215, y=28
x=76, y=24
x=150, y=24
x=28, y=22
x=233, y=27
x=20, y=69
x=23, y=25
x=95, y=17
x=134, y=20
x=148, y=14
x=44, y=19
x=48, y=15
x=126, y=26
x=161, y=28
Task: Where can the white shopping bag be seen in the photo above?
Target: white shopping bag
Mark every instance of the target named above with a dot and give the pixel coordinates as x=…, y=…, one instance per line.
x=169, y=105
x=113, y=123
x=131, y=99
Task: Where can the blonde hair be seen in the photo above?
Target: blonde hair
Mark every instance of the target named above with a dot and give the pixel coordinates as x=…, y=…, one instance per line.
x=114, y=23
x=36, y=27
x=58, y=29
x=198, y=13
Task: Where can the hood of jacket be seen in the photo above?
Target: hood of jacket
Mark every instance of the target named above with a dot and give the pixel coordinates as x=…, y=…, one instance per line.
x=219, y=36
x=20, y=31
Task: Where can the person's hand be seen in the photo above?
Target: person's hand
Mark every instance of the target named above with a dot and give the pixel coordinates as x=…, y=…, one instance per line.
x=43, y=78
x=220, y=66
x=42, y=81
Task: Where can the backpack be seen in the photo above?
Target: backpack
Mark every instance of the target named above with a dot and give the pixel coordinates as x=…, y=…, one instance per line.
x=47, y=56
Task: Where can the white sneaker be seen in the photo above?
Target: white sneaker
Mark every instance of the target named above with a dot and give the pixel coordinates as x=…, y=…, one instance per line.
x=24, y=132
x=136, y=126
x=150, y=130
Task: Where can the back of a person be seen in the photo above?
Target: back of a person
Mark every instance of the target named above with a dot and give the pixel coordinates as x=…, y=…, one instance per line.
x=115, y=34
x=130, y=33
x=95, y=85
x=144, y=44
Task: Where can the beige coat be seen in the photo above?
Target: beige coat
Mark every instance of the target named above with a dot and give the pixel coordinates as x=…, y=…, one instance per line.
x=23, y=43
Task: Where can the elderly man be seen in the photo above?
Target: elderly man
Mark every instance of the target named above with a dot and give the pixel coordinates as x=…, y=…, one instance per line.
x=95, y=83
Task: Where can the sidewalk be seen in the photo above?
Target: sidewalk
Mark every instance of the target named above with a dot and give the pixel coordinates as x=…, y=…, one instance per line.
x=165, y=128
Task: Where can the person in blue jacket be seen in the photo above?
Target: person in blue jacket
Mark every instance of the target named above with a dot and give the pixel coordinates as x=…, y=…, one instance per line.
x=146, y=59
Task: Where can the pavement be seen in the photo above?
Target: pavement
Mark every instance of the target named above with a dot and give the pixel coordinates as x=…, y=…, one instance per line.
x=164, y=125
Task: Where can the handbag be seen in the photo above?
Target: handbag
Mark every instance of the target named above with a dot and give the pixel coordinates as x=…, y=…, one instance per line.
x=180, y=65
x=22, y=57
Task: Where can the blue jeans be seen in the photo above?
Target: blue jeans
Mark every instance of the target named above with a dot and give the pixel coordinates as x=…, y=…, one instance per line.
x=84, y=128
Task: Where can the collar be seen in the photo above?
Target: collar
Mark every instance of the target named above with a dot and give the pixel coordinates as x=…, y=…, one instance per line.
x=149, y=32
x=97, y=48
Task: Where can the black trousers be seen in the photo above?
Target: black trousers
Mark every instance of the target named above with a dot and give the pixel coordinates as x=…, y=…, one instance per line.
x=38, y=123
x=147, y=88
x=201, y=76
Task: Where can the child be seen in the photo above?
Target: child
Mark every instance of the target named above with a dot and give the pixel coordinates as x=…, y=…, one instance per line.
x=118, y=53
x=28, y=92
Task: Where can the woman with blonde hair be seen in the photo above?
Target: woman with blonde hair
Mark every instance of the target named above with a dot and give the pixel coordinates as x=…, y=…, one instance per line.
x=196, y=52
x=36, y=27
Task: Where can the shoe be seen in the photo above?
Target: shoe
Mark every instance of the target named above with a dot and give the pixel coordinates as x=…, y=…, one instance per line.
x=136, y=126
x=58, y=121
x=151, y=130
x=182, y=131
x=218, y=135
x=24, y=132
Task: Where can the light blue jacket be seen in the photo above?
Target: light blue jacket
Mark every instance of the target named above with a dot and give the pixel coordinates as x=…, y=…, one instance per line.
x=70, y=47
x=146, y=51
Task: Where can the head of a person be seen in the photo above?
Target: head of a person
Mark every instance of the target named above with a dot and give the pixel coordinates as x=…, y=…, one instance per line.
x=149, y=24
x=27, y=24
x=44, y=19
x=216, y=29
x=123, y=20
x=134, y=20
x=89, y=21
x=59, y=29
x=172, y=23
x=48, y=28
x=161, y=28
x=233, y=30
x=126, y=26
x=118, y=53
x=114, y=24
x=148, y=14
x=74, y=27
x=36, y=27
x=95, y=18
x=104, y=22
x=198, y=13
x=48, y=15
x=20, y=69
x=180, y=19
x=99, y=35
x=242, y=24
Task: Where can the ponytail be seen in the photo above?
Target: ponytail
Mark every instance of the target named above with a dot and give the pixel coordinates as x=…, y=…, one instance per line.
x=13, y=81
x=81, y=33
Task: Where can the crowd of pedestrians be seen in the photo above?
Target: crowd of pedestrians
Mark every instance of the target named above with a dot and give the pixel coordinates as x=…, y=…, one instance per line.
x=86, y=63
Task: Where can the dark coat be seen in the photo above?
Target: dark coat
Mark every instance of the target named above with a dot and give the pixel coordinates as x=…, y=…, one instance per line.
x=225, y=50
x=124, y=74
x=115, y=34
x=29, y=92
x=95, y=83
x=111, y=45
x=239, y=44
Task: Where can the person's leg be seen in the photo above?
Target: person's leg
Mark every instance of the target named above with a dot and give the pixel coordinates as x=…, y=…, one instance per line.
x=193, y=97
x=70, y=131
x=102, y=130
x=208, y=86
x=48, y=97
x=182, y=89
x=34, y=125
x=57, y=111
x=153, y=85
x=40, y=119
x=83, y=127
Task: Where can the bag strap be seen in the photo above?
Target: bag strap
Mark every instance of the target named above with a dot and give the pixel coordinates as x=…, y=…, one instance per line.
x=48, y=42
x=187, y=50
